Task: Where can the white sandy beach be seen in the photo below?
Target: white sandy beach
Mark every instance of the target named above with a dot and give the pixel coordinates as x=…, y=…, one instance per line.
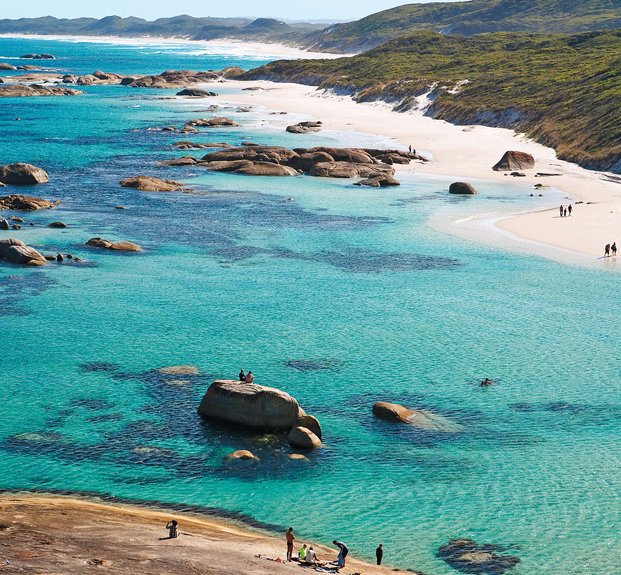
x=469, y=153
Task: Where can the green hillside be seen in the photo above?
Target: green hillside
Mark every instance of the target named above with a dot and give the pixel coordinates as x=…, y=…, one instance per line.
x=468, y=18
x=563, y=90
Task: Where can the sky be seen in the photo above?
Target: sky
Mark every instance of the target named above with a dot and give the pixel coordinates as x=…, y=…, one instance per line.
x=152, y=9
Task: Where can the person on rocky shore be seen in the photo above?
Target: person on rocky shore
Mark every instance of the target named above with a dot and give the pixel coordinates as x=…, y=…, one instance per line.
x=344, y=550
x=242, y=375
x=302, y=552
x=290, y=539
x=379, y=554
x=311, y=557
x=172, y=529
x=249, y=377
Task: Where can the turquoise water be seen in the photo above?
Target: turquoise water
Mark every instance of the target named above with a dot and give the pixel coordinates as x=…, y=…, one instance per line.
x=342, y=297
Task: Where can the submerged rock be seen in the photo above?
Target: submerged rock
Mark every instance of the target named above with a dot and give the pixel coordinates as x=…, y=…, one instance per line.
x=467, y=556
x=515, y=161
x=250, y=404
x=150, y=184
x=420, y=418
x=243, y=455
x=21, y=174
x=179, y=370
x=392, y=412
x=304, y=438
x=462, y=188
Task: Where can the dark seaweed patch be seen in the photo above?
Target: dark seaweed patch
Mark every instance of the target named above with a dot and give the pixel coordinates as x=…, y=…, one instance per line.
x=99, y=366
x=106, y=418
x=321, y=364
x=15, y=290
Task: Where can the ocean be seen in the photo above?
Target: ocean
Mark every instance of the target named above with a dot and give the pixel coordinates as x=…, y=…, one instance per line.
x=342, y=297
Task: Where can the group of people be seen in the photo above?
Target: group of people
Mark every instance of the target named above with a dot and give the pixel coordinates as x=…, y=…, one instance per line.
x=247, y=378
x=308, y=556
x=610, y=249
x=565, y=211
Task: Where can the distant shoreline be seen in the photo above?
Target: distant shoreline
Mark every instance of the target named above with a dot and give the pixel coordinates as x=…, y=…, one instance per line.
x=266, y=49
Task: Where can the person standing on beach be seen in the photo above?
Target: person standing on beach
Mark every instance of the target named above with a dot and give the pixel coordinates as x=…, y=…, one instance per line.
x=561, y=211
x=290, y=539
x=343, y=553
x=607, y=251
x=379, y=553
x=614, y=249
x=569, y=209
x=249, y=377
x=565, y=212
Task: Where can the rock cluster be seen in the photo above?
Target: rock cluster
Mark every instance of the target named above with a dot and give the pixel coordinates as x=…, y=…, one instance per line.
x=186, y=145
x=305, y=128
x=462, y=188
x=196, y=92
x=171, y=79
x=119, y=246
x=217, y=122
x=252, y=405
x=24, y=203
x=512, y=161
x=37, y=57
x=26, y=90
x=17, y=252
x=149, y=184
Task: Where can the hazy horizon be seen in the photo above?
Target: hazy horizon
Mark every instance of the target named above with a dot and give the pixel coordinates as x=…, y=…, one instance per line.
x=322, y=10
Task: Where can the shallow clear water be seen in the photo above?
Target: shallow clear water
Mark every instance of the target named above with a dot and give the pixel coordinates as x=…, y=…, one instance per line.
x=342, y=297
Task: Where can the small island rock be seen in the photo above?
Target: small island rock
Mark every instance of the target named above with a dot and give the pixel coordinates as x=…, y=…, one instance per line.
x=24, y=203
x=392, y=412
x=21, y=174
x=196, y=92
x=243, y=455
x=24, y=255
x=462, y=188
x=150, y=184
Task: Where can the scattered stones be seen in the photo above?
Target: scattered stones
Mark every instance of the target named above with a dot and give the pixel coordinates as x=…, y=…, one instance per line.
x=16, y=227
x=149, y=184
x=243, y=455
x=106, y=244
x=185, y=145
x=183, y=161
x=467, y=556
x=69, y=256
x=218, y=122
x=50, y=258
x=57, y=225
x=170, y=129
x=379, y=182
x=305, y=128
x=196, y=93
x=16, y=219
x=4, y=225
x=21, y=174
x=27, y=90
x=515, y=161
x=304, y=438
x=250, y=404
x=462, y=188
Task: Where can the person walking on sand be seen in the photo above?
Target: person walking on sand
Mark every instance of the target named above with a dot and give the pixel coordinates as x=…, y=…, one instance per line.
x=242, y=375
x=569, y=209
x=607, y=251
x=561, y=211
x=565, y=212
x=249, y=377
x=343, y=553
x=172, y=529
x=379, y=553
x=290, y=539
x=410, y=149
x=613, y=248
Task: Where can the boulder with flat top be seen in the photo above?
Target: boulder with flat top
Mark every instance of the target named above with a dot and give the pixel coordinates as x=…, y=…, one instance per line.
x=24, y=203
x=250, y=405
x=151, y=184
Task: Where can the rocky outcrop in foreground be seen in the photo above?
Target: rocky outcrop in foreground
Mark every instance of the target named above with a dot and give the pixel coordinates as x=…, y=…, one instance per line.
x=24, y=203
x=17, y=252
x=27, y=90
x=119, y=246
x=320, y=161
x=462, y=188
x=149, y=184
x=21, y=174
x=515, y=161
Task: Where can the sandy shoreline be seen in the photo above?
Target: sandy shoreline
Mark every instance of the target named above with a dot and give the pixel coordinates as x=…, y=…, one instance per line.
x=224, y=45
x=469, y=152
x=54, y=534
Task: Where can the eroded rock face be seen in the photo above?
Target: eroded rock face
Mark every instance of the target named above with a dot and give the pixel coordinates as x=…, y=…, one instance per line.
x=467, y=556
x=26, y=90
x=515, y=161
x=150, y=184
x=392, y=412
x=250, y=405
x=273, y=154
x=24, y=255
x=21, y=174
x=304, y=438
x=462, y=188
x=218, y=122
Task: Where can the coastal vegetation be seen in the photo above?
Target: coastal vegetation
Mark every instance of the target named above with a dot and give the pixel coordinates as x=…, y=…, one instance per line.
x=562, y=90
x=468, y=18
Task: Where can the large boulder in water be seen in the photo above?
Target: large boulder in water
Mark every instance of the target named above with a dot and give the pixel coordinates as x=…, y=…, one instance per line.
x=197, y=93
x=311, y=423
x=24, y=255
x=150, y=184
x=21, y=174
x=250, y=404
x=24, y=203
x=304, y=128
x=7, y=243
x=383, y=181
x=304, y=438
x=462, y=188
x=213, y=123
x=266, y=169
x=392, y=412
x=515, y=161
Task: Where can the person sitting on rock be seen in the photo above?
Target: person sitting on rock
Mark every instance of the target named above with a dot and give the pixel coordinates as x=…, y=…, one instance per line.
x=249, y=377
x=311, y=557
x=172, y=529
x=302, y=552
x=242, y=375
